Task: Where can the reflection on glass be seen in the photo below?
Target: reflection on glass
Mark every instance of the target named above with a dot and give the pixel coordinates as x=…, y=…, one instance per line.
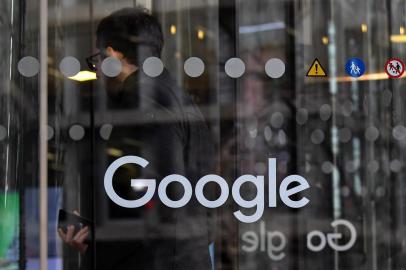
x=236, y=71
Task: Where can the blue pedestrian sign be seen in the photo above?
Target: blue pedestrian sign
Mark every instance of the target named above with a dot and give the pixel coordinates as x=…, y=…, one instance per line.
x=355, y=67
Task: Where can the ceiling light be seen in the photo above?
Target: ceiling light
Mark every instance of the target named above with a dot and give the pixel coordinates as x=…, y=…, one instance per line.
x=114, y=152
x=173, y=29
x=200, y=34
x=398, y=38
x=83, y=76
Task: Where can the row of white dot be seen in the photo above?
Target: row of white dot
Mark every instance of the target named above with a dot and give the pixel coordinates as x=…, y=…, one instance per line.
x=302, y=115
x=77, y=132
x=327, y=167
x=317, y=136
x=352, y=166
x=344, y=134
x=371, y=133
x=194, y=67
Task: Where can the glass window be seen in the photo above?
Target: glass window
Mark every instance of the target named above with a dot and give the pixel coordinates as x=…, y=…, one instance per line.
x=233, y=134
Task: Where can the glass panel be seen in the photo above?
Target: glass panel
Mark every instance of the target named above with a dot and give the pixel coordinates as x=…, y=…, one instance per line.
x=341, y=134
x=19, y=219
x=249, y=92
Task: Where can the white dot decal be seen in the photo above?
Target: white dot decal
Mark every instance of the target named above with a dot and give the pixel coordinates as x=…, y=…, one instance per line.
x=268, y=133
x=380, y=192
x=275, y=68
x=301, y=116
x=317, y=136
x=327, y=167
x=371, y=133
x=344, y=135
x=105, y=131
x=395, y=165
x=399, y=133
x=51, y=133
x=347, y=107
x=260, y=168
x=28, y=66
x=194, y=67
x=325, y=112
x=277, y=120
x=153, y=66
x=235, y=67
x=69, y=66
x=111, y=66
x=76, y=132
x=373, y=166
x=282, y=137
x=345, y=191
x=351, y=166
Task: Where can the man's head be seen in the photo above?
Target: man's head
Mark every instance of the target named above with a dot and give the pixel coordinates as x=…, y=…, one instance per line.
x=130, y=34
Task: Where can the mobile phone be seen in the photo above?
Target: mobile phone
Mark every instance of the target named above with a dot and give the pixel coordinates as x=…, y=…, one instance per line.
x=66, y=219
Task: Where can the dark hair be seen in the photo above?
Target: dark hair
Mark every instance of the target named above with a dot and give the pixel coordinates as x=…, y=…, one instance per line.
x=132, y=31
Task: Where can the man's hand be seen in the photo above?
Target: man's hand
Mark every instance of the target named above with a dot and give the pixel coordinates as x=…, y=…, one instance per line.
x=76, y=241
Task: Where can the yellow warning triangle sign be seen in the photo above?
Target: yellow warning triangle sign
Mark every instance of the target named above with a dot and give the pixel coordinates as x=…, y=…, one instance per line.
x=316, y=70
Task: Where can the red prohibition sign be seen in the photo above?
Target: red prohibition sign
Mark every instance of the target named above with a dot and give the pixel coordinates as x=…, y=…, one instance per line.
x=394, y=68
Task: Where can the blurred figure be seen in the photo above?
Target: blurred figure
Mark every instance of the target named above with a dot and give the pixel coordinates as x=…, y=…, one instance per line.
x=172, y=136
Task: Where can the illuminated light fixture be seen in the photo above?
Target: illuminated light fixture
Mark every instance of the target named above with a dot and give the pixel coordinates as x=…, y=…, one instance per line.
x=324, y=40
x=140, y=185
x=366, y=77
x=398, y=38
x=201, y=34
x=402, y=30
x=84, y=76
x=364, y=28
x=173, y=29
x=114, y=152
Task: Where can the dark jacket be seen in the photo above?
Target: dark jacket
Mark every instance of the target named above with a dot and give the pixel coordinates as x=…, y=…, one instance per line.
x=172, y=135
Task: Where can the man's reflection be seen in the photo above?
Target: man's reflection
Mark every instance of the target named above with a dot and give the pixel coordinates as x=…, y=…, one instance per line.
x=172, y=135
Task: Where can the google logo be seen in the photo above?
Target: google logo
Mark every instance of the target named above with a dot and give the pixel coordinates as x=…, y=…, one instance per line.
x=290, y=186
